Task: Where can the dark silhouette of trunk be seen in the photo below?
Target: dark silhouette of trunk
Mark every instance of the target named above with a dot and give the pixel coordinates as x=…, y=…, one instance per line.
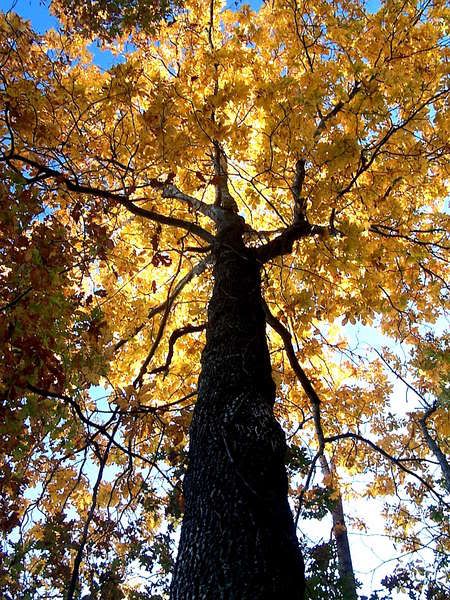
x=238, y=536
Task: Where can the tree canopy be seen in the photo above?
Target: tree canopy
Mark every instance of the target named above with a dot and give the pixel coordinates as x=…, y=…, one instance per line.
x=108, y=19
x=326, y=127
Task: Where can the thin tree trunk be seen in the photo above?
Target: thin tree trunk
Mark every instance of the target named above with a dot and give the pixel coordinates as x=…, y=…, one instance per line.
x=434, y=447
x=238, y=537
x=345, y=565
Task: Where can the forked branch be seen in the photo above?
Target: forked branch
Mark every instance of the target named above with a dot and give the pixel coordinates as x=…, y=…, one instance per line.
x=300, y=228
x=194, y=272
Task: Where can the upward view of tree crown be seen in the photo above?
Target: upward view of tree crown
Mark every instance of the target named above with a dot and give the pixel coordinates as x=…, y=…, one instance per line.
x=321, y=129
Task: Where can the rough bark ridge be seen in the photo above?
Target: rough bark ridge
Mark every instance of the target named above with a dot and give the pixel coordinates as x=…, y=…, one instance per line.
x=238, y=538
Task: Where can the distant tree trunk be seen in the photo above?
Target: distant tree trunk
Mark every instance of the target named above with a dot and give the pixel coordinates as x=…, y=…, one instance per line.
x=238, y=537
x=434, y=446
x=345, y=565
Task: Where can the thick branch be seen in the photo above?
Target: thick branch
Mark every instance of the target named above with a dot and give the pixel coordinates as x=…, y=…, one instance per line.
x=296, y=189
x=284, y=242
x=214, y=212
x=223, y=197
x=122, y=199
x=299, y=178
x=285, y=335
x=300, y=228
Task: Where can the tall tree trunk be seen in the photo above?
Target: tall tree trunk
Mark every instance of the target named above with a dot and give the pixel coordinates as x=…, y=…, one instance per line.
x=238, y=536
x=345, y=565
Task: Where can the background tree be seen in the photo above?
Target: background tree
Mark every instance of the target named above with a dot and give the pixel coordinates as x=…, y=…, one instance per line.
x=302, y=149
x=109, y=19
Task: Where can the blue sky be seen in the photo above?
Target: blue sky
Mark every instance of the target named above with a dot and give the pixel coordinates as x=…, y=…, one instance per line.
x=36, y=11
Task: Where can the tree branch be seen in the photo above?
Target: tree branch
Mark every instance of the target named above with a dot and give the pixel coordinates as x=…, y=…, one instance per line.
x=175, y=335
x=306, y=384
x=300, y=228
x=122, y=199
x=138, y=381
x=195, y=271
x=284, y=242
x=101, y=428
x=223, y=197
x=391, y=232
x=376, y=148
x=296, y=189
x=395, y=461
x=16, y=300
x=315, y=401
x=336, y=109
x=79, y=555
x=214, y=212
x=434, y=446
x=345, y=565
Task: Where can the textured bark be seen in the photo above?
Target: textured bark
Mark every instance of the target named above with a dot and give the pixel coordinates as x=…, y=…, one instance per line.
x=238, y=537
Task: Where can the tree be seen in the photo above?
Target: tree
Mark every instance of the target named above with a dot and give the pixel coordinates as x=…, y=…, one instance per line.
x=287, y=166
x=109, y=19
